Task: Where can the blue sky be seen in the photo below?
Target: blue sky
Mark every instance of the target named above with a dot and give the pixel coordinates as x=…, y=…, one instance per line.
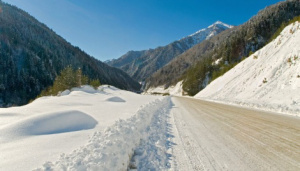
x=107, y=29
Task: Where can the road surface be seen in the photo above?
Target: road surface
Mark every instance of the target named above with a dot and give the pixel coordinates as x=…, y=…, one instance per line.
x=212, y=136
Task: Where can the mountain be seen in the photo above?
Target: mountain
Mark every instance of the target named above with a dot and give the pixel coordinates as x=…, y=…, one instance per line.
x=196, y=67
x=31, y=55
x=141, y=64
x=269, y=78
x=205, y=34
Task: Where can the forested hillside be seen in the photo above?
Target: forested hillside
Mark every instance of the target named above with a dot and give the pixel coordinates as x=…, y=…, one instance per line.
x=142, y=64
x=32, y=55
x=197, y=66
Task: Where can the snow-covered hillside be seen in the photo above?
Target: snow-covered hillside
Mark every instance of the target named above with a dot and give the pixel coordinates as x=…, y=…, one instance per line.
x=268, y=79
x=172, y=90
x=83, y=129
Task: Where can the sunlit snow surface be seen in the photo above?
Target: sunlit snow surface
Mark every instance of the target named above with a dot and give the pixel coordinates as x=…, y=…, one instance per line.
x=269, y=79
x=172, y=90
x=80, y=129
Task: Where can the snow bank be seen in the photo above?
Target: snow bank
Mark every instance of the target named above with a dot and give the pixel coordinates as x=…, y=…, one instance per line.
x=38, y=132
x=84, y=88
x=172, y=90
x=154, y=152
x=52, y=123
x=269, y=79
x=113, y=148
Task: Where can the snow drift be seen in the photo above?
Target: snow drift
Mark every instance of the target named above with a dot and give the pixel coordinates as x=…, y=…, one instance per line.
x=83, y=117
x=269, y=79
x=52, y=123
x=115, y=99
x=113, y=149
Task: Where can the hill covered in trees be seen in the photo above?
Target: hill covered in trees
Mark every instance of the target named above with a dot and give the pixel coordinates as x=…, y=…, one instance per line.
x=142, y=64
x=197, y=66
x=32, y=55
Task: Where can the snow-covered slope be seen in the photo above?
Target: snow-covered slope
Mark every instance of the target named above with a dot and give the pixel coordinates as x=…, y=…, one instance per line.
x=269, y=79
x=82, y=129
x=172, y=90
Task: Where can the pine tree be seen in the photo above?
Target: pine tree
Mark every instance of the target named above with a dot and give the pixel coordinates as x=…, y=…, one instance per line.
x=67, y=79
x=95, y=83
x=79, y=77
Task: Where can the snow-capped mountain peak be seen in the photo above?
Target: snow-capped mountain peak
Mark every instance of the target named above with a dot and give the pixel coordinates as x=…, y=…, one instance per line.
x=206, y=33
x=217, y=24
x=220, y=24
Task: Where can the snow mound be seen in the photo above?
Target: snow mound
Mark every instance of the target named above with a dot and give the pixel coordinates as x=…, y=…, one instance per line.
x=8, y=114
x=269, y=79
x=115, y=99
x=53, y=123
x=109, y=87
x=113, y=148
x=65, y=93
x=86, y=89
x=89, y=90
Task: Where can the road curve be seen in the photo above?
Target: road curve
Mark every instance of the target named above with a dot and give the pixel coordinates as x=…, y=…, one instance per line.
x=212, y=136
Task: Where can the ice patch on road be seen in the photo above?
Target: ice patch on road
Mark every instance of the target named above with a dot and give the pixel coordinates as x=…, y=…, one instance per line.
x=114, y=148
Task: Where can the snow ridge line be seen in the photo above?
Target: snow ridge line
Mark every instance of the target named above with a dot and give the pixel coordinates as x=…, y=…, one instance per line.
x=113, y=148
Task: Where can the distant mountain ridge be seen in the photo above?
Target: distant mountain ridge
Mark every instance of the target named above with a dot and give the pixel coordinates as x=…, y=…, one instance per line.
x=31, y=55
x=142, y=64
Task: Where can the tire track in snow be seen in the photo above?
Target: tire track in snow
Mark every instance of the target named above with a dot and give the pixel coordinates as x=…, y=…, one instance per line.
x=190, y=159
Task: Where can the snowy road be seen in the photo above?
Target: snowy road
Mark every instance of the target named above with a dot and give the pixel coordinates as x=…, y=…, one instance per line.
x=211, y=136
